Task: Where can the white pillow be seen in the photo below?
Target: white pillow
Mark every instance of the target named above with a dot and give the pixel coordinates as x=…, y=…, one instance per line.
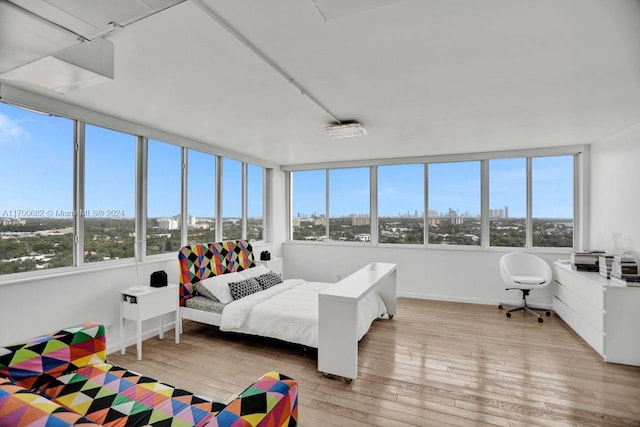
x=255, y=271
x=219, y=285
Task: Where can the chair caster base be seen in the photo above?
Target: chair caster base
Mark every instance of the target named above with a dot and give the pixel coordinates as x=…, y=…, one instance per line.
x=500, y=307
x=548, y=313
x=540, y=320
x=509, y=315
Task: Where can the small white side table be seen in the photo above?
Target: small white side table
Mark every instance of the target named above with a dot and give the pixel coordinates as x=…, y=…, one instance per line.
x=274, y=264
x=144, y=302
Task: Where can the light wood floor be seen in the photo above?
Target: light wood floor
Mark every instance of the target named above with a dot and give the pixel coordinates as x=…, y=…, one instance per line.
x=435, y=363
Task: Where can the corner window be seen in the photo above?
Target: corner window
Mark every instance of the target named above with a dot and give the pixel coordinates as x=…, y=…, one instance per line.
x=508, y=202
x=552, y=201
x=201, y=197
x=255, y=202
x=110, y=164
x=349, y=201
x=36, y=191
x=309, y=205
x=401, y=204
x=231, y=199
x=454, y=203
x=164, y=177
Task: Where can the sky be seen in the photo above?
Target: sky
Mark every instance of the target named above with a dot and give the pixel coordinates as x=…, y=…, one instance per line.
x=453, y=185
x=39, y=177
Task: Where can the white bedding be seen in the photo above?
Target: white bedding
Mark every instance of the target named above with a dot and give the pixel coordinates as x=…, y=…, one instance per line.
x=289, y=312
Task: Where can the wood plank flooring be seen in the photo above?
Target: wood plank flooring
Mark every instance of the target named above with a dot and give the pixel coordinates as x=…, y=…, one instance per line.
x=436, y=363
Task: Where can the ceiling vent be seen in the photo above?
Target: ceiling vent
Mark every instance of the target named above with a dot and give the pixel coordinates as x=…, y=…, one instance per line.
x=345, y=130
x=77, y=67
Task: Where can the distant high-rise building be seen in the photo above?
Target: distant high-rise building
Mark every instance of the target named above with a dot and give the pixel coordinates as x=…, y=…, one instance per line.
x=168, y=223
x=506, y=211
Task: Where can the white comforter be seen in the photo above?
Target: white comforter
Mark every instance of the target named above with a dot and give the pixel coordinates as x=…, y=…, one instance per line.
x=289, y=312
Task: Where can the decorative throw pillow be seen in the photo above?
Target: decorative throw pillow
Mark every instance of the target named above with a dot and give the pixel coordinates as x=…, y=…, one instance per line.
x=219, y=285
x=268, y=280
x=257, y=270
x=201, y=290
x=243, y=288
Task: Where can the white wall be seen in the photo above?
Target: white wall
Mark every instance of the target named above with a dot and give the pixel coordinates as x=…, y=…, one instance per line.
x=615, y=191
x=40, y=305
x=441, y=274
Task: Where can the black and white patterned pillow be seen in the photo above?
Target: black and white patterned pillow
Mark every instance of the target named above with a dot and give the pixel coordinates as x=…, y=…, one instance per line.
x=268, y=280
x=244, y=287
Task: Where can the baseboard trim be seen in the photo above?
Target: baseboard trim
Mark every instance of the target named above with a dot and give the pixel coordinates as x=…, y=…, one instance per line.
x=448, y=298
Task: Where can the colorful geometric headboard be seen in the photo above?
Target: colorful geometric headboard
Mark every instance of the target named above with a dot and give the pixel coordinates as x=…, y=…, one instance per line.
x=199, y=262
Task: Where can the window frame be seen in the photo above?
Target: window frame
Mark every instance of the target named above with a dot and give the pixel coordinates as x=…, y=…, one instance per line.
x=81, y=117
x=580, y=155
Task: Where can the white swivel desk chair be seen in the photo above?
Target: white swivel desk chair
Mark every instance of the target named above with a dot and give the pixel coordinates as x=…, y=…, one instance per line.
x=525, y=272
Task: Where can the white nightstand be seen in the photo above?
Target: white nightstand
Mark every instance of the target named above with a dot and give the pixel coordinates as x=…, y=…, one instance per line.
x=274, y=264
x=143, y=302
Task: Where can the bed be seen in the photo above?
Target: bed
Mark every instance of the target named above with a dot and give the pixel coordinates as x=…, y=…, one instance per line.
x=218, y=287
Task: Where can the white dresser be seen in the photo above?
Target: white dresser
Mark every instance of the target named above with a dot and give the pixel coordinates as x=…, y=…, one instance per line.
x=605, y=315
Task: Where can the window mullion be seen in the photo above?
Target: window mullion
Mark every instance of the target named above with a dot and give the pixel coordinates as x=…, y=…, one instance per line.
x=529, y=220
x=484, y=204
x=78, y=193
x=141, y=198
x=326, y=212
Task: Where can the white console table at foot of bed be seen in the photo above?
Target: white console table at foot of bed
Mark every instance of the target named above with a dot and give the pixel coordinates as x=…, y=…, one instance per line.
x=338, y=316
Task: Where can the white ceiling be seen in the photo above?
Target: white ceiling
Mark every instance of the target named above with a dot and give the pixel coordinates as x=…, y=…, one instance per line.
x=424, y=77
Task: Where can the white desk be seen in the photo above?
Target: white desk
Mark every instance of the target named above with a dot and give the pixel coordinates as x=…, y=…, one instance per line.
x=604, y=314
x=338, y=316
x=141, y=303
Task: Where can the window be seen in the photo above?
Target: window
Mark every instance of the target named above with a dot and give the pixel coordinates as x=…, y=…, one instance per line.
x=164, y=177
x=401, y=204
x=309, y=204
x=255, y=202
x=508, y=202
x=349, y=201
x=110, y=164
x=36, y=191
x=231, y=199
x=552, y=201
x=201, y=197
x=454, y=203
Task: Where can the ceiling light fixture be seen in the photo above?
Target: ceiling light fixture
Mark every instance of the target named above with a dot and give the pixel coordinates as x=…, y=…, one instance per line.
x=345, y=130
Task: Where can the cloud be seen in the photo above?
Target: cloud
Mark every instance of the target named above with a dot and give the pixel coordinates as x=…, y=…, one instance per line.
x=10, y=130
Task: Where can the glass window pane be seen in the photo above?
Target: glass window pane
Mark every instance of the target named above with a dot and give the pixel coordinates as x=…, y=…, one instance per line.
x=401, y=204
x=164, y=185
x=454, y=203
x=110, y=164
x=552, y=204
x=349, y=202
x=254, y=202
x=36, y=191
x=508, y=202
x=309, y=204
x=231, y=199
x=201, y=197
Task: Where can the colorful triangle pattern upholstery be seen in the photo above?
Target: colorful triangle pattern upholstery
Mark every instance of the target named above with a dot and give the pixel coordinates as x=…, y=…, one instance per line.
x=20, y=407
x=113, y=396
x=199, y=262
x=37, y=360
x=271, y=401
x=62, y=379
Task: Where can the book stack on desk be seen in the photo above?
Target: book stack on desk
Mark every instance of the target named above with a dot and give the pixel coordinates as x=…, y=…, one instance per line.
x=605, y=263
x=586, y=260
x=624, y=271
